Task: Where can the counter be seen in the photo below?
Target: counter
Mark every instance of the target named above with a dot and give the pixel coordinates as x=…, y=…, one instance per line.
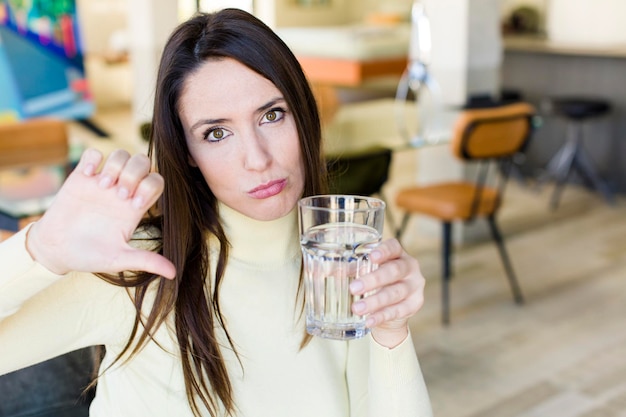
x=539, y=44
x=541, y=69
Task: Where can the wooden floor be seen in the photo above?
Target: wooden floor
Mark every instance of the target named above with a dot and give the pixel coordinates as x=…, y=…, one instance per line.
x=562, y=353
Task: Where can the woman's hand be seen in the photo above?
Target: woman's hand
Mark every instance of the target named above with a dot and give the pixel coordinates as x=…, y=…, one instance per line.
x=398, y=287
x=93, y=216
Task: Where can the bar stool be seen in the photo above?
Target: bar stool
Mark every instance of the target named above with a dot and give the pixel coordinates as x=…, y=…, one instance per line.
x=572, y=155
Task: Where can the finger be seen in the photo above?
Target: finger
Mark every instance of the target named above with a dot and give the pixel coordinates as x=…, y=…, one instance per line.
x=148, y=191
x=386, y=296
x=89, y=162
x=133, y=172
x=112, y=168
x=388, y=249
x=142, y=260
x=385, y=274
x=396, y=315
x=393, y=269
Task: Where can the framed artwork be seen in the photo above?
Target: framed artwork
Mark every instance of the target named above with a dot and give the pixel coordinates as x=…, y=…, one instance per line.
x=41, y=61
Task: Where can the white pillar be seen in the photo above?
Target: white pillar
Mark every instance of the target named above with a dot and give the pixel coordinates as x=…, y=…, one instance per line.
x=150, y=23
x=467, y=47
x=466, y=59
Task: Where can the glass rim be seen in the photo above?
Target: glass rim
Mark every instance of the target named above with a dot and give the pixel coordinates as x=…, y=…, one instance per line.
x=373, y=202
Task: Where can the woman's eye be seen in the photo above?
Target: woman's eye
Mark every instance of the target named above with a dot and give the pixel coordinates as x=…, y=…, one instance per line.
x=273, y=115
x=215, y=134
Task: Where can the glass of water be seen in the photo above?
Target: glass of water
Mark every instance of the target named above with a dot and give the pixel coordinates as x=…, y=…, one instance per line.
x=337, y=235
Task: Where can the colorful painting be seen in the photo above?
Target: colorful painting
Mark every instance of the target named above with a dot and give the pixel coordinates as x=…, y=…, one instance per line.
x=41, y=61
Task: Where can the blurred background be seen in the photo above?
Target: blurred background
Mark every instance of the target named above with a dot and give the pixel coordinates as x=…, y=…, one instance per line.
x=561, y=353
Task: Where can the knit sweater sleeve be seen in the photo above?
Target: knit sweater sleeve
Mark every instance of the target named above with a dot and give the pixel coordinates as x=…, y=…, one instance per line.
x=43, y=315
x=15, y=265
x=386, y=382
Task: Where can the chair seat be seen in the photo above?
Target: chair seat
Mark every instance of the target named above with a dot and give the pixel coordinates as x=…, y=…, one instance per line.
x=447, y=201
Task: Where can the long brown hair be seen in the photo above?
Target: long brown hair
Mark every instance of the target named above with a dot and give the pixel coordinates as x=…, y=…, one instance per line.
x=187, y=210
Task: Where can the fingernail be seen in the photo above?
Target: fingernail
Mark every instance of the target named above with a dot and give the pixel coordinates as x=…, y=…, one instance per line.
x=89, y=169
x=358, y=307
x=137, y=202
x=370, y=322
x=376, y=255
x=356, y=286
x=105, y=181
x=123, y=193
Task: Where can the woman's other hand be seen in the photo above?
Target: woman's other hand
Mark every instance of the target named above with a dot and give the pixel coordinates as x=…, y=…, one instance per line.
x=94, y=215
x=398, y=293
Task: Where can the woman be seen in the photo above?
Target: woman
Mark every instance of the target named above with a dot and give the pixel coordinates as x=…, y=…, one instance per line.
x=211, y=323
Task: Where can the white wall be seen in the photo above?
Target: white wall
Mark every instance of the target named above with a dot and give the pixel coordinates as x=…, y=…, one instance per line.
x=99, y=19
x=598, y=22
x=151, y=25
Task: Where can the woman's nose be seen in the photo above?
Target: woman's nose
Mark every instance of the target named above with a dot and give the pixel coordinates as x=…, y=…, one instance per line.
x=256, y=153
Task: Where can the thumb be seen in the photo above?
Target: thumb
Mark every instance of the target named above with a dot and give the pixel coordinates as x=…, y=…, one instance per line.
x=143, y=260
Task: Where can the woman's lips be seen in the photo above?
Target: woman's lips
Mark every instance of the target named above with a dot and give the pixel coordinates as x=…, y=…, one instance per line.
x=268, y=190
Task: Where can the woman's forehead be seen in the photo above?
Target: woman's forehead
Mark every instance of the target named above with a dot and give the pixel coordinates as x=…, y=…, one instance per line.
x=224, y=86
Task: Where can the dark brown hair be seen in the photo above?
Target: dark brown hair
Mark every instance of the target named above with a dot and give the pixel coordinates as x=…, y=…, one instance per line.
x=188, y=209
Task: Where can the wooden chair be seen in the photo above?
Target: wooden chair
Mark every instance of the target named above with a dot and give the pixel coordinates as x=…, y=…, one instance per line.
x=27, y=144
x=489, y=136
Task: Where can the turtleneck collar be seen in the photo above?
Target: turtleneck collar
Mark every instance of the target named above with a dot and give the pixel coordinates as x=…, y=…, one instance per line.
x=261, y=242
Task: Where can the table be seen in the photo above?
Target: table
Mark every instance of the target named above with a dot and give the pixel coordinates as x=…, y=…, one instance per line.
x=326, y=74
x=347, y=56
x=350, y=72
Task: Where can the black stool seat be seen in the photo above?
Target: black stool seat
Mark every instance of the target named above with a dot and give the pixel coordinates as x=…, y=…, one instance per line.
x=580, y=108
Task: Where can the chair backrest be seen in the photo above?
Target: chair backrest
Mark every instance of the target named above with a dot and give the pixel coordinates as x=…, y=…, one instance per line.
x=495, y=132
x=362, y=173
x=33, y=142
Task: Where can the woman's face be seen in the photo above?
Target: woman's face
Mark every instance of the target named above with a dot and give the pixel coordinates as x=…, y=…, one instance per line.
x=243, y=138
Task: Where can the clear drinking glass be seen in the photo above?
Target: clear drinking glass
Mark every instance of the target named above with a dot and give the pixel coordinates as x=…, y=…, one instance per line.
x=337, y=235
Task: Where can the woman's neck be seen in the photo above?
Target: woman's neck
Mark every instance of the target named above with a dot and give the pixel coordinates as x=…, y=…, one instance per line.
x=260, y=242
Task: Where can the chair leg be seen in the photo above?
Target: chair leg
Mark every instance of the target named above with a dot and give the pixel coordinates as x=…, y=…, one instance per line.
x=563, y=166
x=405, y=221
x=446, y=271
x=497, y=236
x=584, y=166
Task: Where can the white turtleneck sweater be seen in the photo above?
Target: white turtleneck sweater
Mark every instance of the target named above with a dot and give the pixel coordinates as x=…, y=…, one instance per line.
x=43, y=315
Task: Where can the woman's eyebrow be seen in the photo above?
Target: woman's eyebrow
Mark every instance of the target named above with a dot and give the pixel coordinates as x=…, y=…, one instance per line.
x=206, y=122
x=261, y=109
x=270, y=104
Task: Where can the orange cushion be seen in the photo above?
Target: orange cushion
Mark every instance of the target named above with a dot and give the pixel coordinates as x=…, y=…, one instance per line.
x=447, y=201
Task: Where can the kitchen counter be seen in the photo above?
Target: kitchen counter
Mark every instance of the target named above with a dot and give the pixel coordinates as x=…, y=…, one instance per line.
x=540, y=69
x=539, y=44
